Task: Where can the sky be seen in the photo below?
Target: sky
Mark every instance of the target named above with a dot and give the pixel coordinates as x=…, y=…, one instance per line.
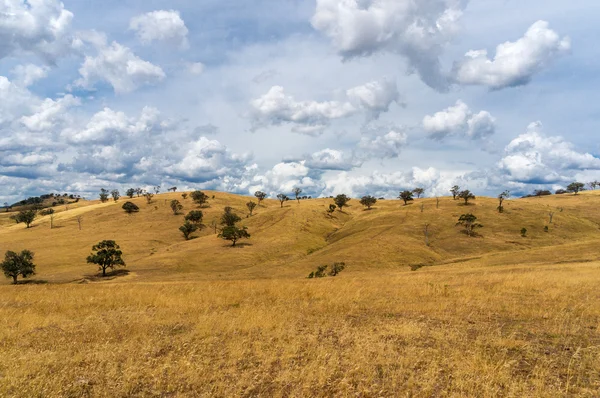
x=362, y=97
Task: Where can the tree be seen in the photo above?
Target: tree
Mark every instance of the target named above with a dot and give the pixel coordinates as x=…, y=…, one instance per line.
x=184, y=196
x=130, y=192
x=282, y=198
x=139, y=191
x=418, y=192
x=260, y=195
x=199, y=197
x=341, y=201
x=195, y=217
x=523, y=232
x=336, y=268
x=251, y=205
x=157, y=189
x=504, y=195
x=130, y=207
x=368, y=201
x=319, y=273
x=16, y=264
x=6, y=206
x=576, y=187
x=466, y=195
x=455, y=191
x=148, y=197
x=297, y=192
x=229, y=218
x=233, y=233
x=406, y=196
x=107, y=255
x=176, y=206
x=593, y=185
x=187, y=229
x=331, y=210
x=103, y=195
x=469, y=221
x=115, y=194
x=26, y=217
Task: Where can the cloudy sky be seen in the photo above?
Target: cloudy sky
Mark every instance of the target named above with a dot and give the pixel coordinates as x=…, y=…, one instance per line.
x=332, y=96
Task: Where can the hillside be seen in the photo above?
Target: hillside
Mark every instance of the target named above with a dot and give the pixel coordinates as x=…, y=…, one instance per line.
x=291, y=241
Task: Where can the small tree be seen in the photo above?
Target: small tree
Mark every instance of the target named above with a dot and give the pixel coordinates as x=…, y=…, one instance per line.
x=107, y=254
x=576, y=187
x=187, y=229
x=139, y=191
x=148, y=197
x=466, y=195
x=16, y=264
x=504, y=195
x=130, y=207
x=319, y=273
x=341, y=201
x=79, y=221
x=130, y=192
x=233, y=233
x=331, y=210
x=260, y=195
x=523, y=232
x=184, y=196
x=103, y=195
x=368, y=201
x=176, y=206
x=455, y=191
x=229, y=218
x=115, y=194
x=469, y=221
x=297, y=192
x=195, y=217
x=157, y=189
x=336, y=268
x=26, y=217
x=418, y=192
x=406, y=196
x=593, y=185
x=251, y=205
x=282, y=198
x=199, y=197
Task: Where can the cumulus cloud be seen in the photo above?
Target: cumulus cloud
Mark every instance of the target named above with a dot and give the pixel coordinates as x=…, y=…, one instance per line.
x=286, y=176
x=26, y=75
x=375, y=97
x=49, y=113
x=418, y=30
x=40, y=27
x=331, y=159
x=534, y=158
x=383, y=142
x=459, y=120
x=160, y=25
x=118, y=66
x=515, y=63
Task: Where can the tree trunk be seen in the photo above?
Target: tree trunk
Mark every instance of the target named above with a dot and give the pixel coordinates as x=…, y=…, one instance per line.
x=103, y=271
x=15, y=279
x=233, y=243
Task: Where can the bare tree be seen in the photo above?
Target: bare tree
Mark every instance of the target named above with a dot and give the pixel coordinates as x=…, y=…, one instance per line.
x=426, y=233
x=437, y=202
x=79, y=221
x=297, y=192
x=455, y=191
x=551, y=216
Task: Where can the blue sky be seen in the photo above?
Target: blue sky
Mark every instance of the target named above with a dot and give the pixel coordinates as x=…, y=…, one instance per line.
x=333, y=96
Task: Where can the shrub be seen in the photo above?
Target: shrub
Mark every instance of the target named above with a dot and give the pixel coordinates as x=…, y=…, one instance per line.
x=523, y=232
x=176, y=206
x=46, y=212
x=195, y=217
x=187, y=229
x=130, y=207
x=336, y=268
x=319, y=273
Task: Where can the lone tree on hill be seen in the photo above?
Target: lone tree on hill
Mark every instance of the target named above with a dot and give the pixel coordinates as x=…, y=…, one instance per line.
x=504, y=195
x=16, y=264
x=26, y=217
x=148, y=197
x=229, y=218
x=576, y=187
x=331, y=210
x=455, y=191
x=368, y=201
x=103, y=195
x=184, y=196
x=130, y=192
x=107, y=255
x=200, y=198
x=251, y=205
x=466, y=195
x=233, y=233
x=260, y=195
x=187, y=229
x=139, y=191
x=130, y=207
x=115, y=194
x=406, y=196
x=282, y=198
x=297, y=192
x=195, y=217
x=176, y=206
x=418, y=192
x=341, y=201
x=469, y=221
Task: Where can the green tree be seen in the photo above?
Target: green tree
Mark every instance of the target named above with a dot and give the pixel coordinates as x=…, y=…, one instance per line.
x=455, y=191
x=319, y=273
x=406, y=196
x=331, y=210
x=282, y=198
x=115, y=194
x=103, y=195
x=107, y=254
x=260, y=195
x=336, y=268
x=466, y=195
x=148, y=197
x=130, y=207
x=523, y=232
x=26, y=217
x=229, y=218
x=576, y=187
x=297, y=192
x=418, y=192
x=368, y=201
x=199, y=197
x=16, y=264
x=341, y=201
x=187, y=229
x=504, y=195
x=251, y=205
x=195, y=217
x=233, y=233
x=593, y=185
x=469, y=221
x=130, y=192
x=176, y=206
x=184, y=196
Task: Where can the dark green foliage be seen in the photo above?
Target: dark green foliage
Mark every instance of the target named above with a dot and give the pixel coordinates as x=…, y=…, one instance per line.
x=368, y=201
x=466, y=195
x=184, y=196
x=251, y=205
x=331, y=210
x=103, y=195
x=418, y=192
x=576, y=187
x=455, y=191
x=260, y=195
x=107, y=255
x=46, y=212
x=130, y=207
x=406, y=196
x=336, y=268
x=523, y=232
x=561, y=191
x=176, y=206
x=195, y=217
x=115, y=194
x=469, y=221
x=282, y=198
x=16, y=264
x=546, y=229
x=341, y=201
x=130, y=192
x=229, y=218
x=319, y=273
x=199, y=197
x=233, y=233
x=26, y=217
x=187, y=229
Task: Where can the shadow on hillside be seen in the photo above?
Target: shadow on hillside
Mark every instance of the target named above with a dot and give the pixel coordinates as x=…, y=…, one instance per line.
x=238, y=245
x=109, y=275
x=32, y=282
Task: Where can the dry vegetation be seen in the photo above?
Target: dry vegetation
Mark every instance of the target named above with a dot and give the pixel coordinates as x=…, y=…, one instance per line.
x=495, y=315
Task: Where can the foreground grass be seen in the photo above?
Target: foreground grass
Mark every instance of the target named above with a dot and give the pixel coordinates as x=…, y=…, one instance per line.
x=445, y=331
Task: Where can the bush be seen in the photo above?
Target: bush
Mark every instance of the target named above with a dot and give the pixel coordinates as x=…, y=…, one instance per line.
x=130, y=207
x=46, y=212
x=523, y=232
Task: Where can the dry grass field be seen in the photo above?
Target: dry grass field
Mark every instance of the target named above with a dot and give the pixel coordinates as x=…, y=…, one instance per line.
x=494, y=315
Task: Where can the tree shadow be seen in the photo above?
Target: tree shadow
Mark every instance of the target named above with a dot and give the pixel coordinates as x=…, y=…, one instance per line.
x=238, y=245
x=32, y=282
x=117, y=273
x=57, y=227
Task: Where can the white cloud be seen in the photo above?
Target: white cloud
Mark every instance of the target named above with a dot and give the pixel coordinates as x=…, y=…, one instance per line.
x=385, y=146
x=375, y=97
x=49, y=113
x=416, y=29
x=284, y=177
x=515, y=63
x=26, y=75
x=459, y=120
x=195, y=68
x=160, y=26
x=331, y=159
